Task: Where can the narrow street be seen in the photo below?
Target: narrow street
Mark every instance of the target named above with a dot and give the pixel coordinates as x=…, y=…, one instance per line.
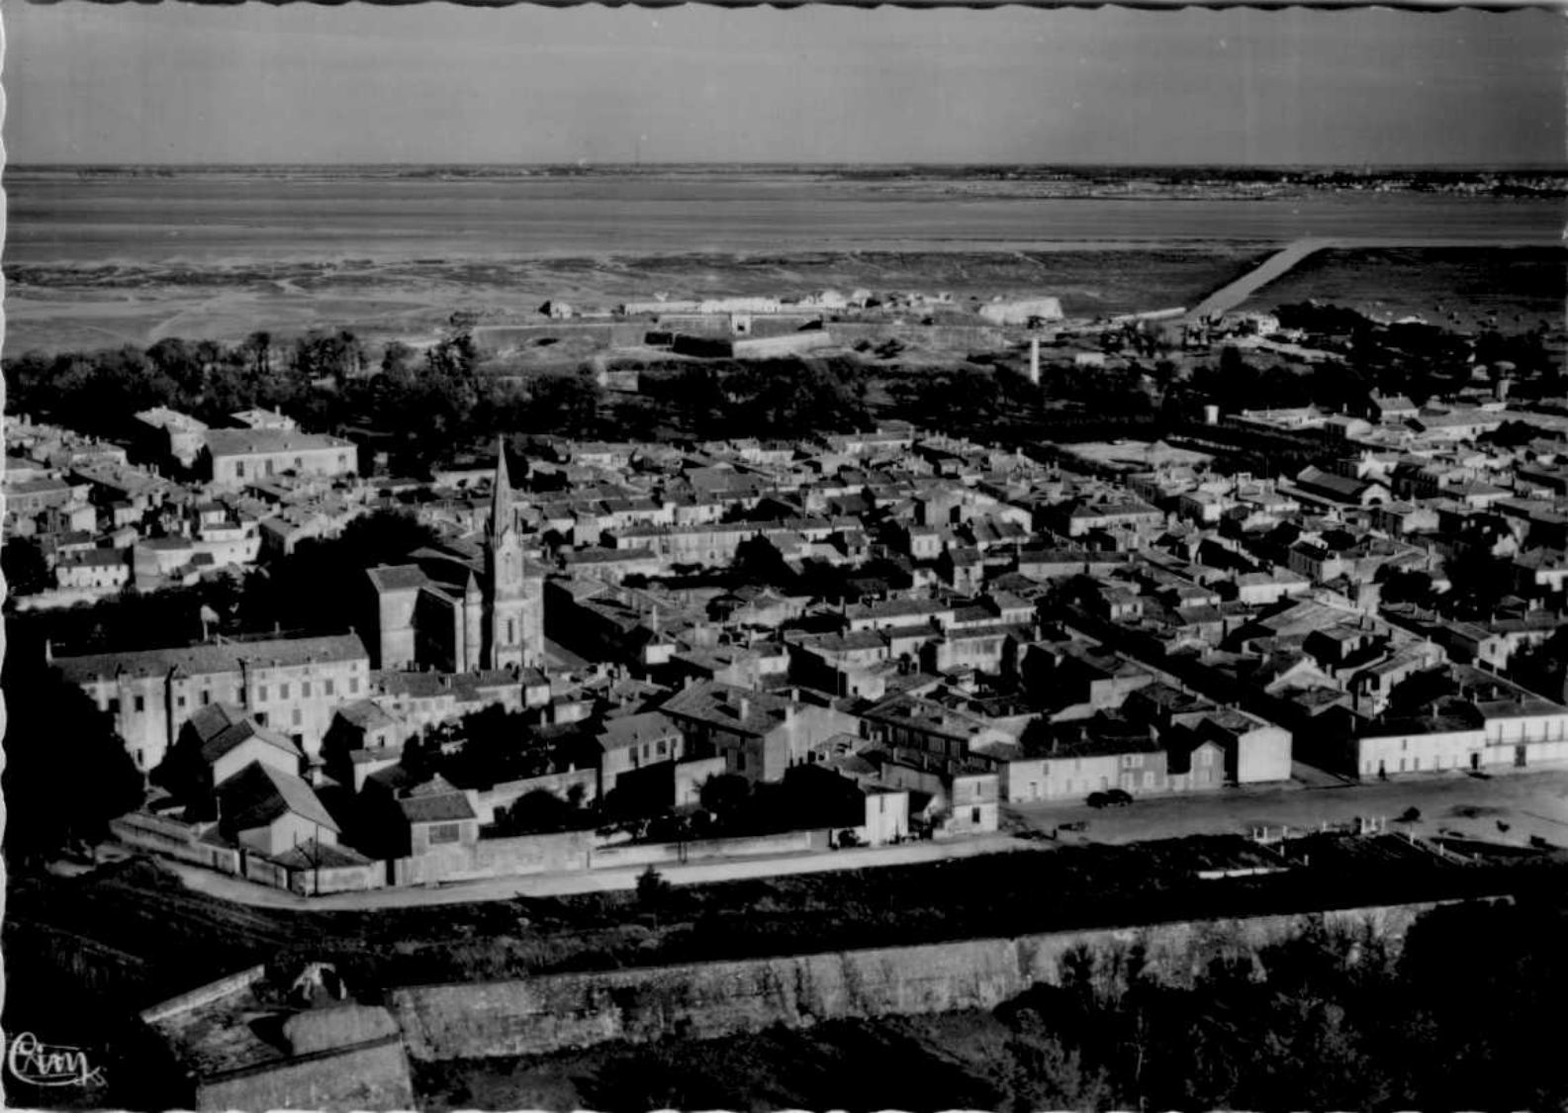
x=1507, y=808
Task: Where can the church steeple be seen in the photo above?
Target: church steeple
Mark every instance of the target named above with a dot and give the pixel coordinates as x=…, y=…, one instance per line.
x=511, y=607
x=501, y=494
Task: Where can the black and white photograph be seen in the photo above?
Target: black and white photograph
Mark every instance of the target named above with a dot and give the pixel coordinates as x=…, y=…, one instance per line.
x=613, y=558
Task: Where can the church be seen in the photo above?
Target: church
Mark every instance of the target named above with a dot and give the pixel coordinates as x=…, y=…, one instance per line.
x=466, y=605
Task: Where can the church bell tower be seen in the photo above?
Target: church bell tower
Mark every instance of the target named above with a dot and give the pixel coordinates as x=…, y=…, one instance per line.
x=506, y=583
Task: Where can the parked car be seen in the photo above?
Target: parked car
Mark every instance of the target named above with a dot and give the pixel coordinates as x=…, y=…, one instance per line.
x=1116, y=797
x=1096, y=799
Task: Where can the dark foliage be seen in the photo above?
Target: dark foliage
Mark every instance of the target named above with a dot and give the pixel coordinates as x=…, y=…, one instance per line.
x=54, y=734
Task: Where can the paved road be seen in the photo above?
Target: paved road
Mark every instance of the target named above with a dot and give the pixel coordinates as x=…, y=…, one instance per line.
x=1234, y=294
x=603, y=880
x=1526, y=803
x=1507, y=808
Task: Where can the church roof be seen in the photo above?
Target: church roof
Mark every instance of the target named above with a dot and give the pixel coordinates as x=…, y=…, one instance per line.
x=390, y=578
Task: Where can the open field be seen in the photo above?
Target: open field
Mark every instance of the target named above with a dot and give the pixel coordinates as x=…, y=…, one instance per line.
x=60, y=308
x=68, y=308
x=1476, y=284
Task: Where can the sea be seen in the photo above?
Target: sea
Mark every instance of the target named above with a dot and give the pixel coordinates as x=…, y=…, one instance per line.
x=217, y=219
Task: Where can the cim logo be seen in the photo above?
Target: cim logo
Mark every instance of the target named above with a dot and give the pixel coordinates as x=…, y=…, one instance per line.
x=46, y=1064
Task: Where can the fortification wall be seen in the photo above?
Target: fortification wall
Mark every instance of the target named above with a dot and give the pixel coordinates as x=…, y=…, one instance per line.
x=950, y=337
x=554, y=1011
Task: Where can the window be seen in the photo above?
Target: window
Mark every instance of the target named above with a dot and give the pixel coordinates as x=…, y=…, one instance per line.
x=261, y=694
x=974, y=815
x=141, y=704
x=141, y=760
x=206, y=698
x=239, y=469
x=304, y=690
x=180, y=702
x=298, y=463
x=353, y=685
x=296, y=716
x=283, y=692
x=511, y=631
x=443, y=833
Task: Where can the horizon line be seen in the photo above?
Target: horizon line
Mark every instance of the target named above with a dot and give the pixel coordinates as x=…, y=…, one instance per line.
x=580, y=164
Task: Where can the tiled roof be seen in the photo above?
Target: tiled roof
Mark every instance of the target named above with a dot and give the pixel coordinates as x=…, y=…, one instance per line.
x=228, y=443
x=209, y=659
x=227, y=740
x=435, y=801
x=389, y=578
x=258, y=795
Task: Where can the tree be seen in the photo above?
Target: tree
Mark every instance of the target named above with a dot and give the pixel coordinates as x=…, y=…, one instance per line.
x=725, y=795
x=1044, y=1075
x=24, y=566
x=67, y=772
x=653, y=892
x=540, y=812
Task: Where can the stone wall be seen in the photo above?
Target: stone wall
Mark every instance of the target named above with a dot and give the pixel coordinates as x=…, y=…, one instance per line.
x=370, y=1077
x=172, y=839
x=554, y=1011
x=659, y=853
x=203, y=995
x=535, y=853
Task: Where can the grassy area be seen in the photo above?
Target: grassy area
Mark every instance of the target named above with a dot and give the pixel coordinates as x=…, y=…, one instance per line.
x=60, y=308
x=1476, y=284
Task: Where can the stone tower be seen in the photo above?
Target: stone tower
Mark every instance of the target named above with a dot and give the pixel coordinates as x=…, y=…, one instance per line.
x=509, y=603
x=471, y=651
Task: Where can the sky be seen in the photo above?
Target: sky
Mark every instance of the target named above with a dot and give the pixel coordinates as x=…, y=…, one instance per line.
x=434, y=82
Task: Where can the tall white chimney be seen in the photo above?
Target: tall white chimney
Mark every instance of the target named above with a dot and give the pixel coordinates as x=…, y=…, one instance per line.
x=1034, y=360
